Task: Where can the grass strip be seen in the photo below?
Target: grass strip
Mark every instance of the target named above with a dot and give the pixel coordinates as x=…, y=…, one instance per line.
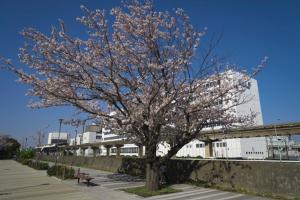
x=144, y=192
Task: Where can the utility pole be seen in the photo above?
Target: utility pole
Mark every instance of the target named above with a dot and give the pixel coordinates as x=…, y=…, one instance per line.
x=83, y=129
x=83, y=126
x=60, y=122
x=277, y=141
x=75, y=137
x=58, y=140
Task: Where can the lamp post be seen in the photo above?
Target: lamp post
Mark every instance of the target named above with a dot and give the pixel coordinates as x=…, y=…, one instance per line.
x=83, y=129
x=83, y=126
x=60, y=122
x=75, y=137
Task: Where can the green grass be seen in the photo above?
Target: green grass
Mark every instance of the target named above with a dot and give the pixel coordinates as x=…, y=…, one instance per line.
x=144, y=192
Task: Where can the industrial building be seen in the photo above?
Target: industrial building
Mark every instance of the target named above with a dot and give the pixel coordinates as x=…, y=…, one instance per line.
x=57, y=138
x=246, y=148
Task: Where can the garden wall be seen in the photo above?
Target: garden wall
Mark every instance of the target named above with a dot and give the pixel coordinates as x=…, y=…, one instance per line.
x=266, y=178
x=110, y=163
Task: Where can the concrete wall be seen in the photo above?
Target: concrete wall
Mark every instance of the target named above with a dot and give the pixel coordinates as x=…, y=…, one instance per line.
x=269, y=178
x=266, y=178
x=109, y=163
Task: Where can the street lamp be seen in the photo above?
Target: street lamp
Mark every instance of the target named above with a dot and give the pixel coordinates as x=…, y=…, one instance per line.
x=60, y=122
x=83, y=126
x=83, y=129
x=75, y=137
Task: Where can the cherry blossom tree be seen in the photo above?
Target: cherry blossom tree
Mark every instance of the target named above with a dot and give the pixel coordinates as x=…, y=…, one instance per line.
x=142, y=74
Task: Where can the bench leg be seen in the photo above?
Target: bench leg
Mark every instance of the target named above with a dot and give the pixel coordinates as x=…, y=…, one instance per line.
x=88, y=183
x=78, y=180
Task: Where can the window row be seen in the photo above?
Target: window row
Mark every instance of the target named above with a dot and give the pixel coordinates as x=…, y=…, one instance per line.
x=197, y=145
x=251, y=152
x=212, y=124
x=113, y=137
x=219, y=144
x=201, y=145
x=126, y=150
x=98, y=137
x=212, y=84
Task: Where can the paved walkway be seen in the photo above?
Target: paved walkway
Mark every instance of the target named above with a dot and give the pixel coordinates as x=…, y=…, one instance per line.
x=21, y=182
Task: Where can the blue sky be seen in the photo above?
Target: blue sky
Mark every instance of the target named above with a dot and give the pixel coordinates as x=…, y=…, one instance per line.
x=251, y=29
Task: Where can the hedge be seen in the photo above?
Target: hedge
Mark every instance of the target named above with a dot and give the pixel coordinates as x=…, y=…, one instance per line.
x=34, y=164
x=61, y=172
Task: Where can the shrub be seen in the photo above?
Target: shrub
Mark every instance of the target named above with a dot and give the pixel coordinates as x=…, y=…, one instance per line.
x=24, y=161
x=34, y=164
x=61, y=172
x=133, y=166
x=39, y=165
x=25, y=154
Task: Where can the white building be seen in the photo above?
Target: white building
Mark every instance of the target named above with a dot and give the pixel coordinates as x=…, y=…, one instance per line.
x=72, y=141
x=91, y=137
x=56, y=137
x=247, y=148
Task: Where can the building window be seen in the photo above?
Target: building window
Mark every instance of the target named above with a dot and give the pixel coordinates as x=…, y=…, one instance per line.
x=113, y=150
x=112, y=138
x=248, y=85
x=125, y=150
x=98, y=137
x=129, y=150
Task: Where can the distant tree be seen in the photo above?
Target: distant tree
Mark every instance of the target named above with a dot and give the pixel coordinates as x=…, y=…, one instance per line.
x=39, y=137
x=144, y=77
x=8, y=146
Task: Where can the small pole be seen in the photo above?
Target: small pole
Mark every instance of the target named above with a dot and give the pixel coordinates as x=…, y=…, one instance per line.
x=56, y=157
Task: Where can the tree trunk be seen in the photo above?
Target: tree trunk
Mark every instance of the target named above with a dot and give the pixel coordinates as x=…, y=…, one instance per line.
x=152, y=176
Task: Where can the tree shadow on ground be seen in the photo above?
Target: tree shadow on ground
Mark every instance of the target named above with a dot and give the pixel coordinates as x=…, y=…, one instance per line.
x=124, y=177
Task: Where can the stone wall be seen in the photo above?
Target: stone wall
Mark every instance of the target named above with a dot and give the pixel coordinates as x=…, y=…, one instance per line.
x=110, y=163
x=265, y=178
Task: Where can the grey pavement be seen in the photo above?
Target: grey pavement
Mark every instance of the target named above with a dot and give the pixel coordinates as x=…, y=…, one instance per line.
x=21, y=182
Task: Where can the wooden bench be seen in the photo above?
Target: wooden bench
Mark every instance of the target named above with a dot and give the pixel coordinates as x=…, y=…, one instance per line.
x=83, y=176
